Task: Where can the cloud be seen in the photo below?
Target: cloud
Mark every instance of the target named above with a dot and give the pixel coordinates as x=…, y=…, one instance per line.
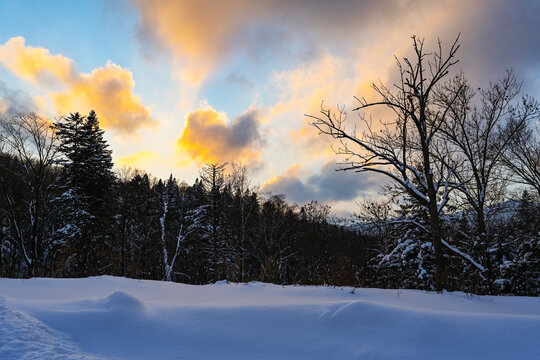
x=207, y=137
x=302, y=90
x=369, y=49
x=328, y=185
x=107, y=90
x=205, y=34
x=208, y=35
x=500, y=35
x=139, y=160
x=36, y=64
x=15, y=101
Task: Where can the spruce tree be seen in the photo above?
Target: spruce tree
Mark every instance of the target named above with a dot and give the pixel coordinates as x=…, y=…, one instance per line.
x=85, y=189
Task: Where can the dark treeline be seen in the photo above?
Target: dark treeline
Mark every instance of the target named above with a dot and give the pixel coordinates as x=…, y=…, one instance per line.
x=64, y=213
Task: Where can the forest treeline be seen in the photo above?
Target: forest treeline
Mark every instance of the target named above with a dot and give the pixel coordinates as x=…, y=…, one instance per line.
x=65, y=213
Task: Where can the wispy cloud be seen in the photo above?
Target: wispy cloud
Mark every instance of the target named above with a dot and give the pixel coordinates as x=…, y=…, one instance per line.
x=15, y=101
x=140, y=160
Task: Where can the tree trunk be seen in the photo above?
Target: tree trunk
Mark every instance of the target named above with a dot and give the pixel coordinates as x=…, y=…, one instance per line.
x=441, y=276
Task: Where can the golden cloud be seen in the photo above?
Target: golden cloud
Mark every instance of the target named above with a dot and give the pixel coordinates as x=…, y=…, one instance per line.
x=140, y=159
x=203, y=34
x=207, y=137
x=294, y=170
x=302, y=90
x=107, y=90
x=36, y=64
x=195, y=32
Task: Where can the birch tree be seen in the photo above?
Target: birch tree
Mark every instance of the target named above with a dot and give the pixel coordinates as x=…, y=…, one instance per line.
x=173, y=237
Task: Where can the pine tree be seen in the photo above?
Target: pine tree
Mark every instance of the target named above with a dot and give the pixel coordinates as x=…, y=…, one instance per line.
x=195, y=208
x=85, y=189
x=216, y=234
x=145, y=228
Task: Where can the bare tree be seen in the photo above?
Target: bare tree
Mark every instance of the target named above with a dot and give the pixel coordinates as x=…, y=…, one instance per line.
x=523, y=157
x=244, y=209
x=479, y=136
x=403, y=148
x=31, y=141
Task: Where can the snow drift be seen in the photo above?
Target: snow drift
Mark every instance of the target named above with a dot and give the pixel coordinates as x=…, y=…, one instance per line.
x=117, y=318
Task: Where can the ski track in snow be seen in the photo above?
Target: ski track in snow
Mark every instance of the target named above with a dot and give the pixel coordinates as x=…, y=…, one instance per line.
x=116, y=318
x=24, y=338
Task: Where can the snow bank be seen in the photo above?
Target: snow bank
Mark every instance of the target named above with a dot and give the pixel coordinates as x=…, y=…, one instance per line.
x=116, y=318
x=23, y=337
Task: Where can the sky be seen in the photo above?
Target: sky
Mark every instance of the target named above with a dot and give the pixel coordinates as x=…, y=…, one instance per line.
x=177, y=84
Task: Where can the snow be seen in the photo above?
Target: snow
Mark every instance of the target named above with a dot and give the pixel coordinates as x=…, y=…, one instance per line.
x=117, y=318
x=459, y=252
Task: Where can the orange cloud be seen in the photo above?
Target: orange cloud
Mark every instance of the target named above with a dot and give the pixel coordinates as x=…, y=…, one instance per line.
x=139, y=159
x=294, y=170
x=301, y=91
x=204, y=34
x=207, y=137
x=197, y=32
x=36, y=64
x=107, y=90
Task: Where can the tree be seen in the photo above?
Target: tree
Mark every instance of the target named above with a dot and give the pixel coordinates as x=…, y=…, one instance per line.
x=31, y=142
x=402, y=149
x=136, y=224
x=170, y=221
x=241, y=217
x=522, y=157
x=520, y=268
x=216, y=234
x=85, y=189
x=478, y=136
x=277, y=236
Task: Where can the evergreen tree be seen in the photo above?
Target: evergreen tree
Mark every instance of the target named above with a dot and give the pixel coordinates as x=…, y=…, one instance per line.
x=217, y=231
x=85, y=189
x=520, y=265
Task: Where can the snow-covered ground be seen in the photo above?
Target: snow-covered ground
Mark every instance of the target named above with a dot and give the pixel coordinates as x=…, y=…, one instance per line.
x=117, y=318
